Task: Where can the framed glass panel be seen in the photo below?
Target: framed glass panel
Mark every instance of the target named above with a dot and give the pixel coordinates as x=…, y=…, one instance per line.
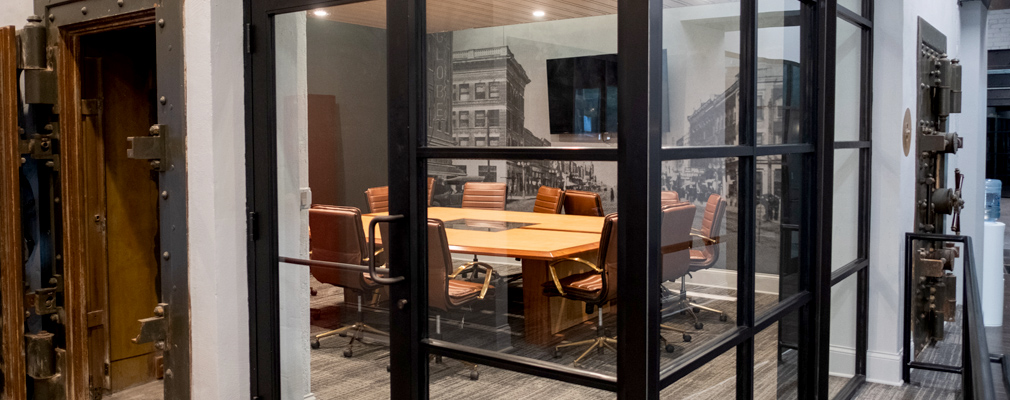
x=848, y=81
x=776, y=360
x=779, y=103
x=844, y=325
x=779, y=221
x=845, y=208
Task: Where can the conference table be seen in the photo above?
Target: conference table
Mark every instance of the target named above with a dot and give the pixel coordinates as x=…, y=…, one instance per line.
x=534, y=238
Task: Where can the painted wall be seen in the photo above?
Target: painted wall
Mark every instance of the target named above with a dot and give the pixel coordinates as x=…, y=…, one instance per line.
x=998, y=35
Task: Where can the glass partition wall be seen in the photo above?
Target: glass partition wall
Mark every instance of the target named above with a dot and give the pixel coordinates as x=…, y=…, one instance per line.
x=552, y=199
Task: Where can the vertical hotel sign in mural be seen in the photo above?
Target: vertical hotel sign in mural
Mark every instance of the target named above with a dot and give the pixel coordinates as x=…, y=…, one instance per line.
x=439, y=52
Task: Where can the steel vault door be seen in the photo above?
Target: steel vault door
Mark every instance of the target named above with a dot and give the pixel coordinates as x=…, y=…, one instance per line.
x=42, y=213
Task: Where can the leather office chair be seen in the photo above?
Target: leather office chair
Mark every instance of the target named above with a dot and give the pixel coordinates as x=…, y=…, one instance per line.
x=378, y=197
x=484, y=195
x=595, y=288
x=578, y=202
x=708, y=254
x=675, y=240
x=447, y=294
x=340, y=237
x=668, y=197
x=549, y=200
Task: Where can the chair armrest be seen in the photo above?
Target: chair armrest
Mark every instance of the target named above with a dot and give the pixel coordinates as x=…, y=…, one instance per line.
x=708, y=240
x=484, y=267
x=554, y=272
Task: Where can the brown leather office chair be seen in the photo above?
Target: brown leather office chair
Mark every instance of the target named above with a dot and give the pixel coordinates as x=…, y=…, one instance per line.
x=447, y=294
x=549, y=200
x=484, y=195
x=378, y=197
x=578, y=202
x=595, y=288
x=675, y=240
x=668, y=197
x=706, y=256
x=338, y=236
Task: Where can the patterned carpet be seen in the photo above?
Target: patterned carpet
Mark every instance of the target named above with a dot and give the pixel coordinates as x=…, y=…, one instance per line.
x=364, y=376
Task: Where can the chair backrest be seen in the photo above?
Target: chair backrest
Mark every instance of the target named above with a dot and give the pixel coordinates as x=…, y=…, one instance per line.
x=378, y=199
x=607, y=260
x=549, y=200
x=675, y=239
x=338, y=236
x=668, y=197
x=578, y=202
x=439, y=266
x=484, y=195
x=715, y=211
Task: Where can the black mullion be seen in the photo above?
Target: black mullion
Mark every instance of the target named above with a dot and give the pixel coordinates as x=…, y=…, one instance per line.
x=688, y=153
x=639, y=40
x=863, y=300
x=853, y=17
x=405, y=57
x=779, y=149
x=862, y=317
x=746, y=220
x=847, y=270
x=852, y=144
x=276, y=7
x=261, y=195
x=694, y=359
x=520, y=153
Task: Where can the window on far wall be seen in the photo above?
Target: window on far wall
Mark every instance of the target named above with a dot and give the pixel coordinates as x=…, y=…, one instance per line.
x=464, y=91
x=455, y=122
x=479, y=91
x=492, y=118
x=495, y=90
x=464, y=119
x=478, y=119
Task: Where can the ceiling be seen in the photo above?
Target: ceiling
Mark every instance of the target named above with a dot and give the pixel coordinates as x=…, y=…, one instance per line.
x=454, y=15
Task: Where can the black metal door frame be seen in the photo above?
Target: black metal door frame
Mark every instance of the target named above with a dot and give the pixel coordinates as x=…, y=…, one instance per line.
x=639, y=155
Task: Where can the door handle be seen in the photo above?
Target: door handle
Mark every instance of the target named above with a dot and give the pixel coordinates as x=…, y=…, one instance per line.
x=371, y=249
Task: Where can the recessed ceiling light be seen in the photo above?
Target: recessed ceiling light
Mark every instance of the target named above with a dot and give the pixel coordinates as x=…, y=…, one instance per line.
x=320, y=13
x=539, y=13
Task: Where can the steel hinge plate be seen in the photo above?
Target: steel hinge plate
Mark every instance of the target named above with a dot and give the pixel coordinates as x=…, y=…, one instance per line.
x=149, y=147
x=154, y=329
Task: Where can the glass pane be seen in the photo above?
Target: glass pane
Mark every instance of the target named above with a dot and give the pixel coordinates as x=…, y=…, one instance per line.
x=776, y=360
x=842, y=346
x=508, y=227
x=848, y=82
x=845, y=209
x=450, y=380
x=853, y=5
x=715, y=380
x=701, y=64
x=699, y=247
x=779, y=190
x=505, y=73
x=331, y=121
x=779, y=103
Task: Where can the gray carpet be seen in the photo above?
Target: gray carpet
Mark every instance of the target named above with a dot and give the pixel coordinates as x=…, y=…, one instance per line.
x=364, y=376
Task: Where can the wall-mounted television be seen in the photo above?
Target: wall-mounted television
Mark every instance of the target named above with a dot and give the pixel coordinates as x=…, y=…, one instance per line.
x=582, y=94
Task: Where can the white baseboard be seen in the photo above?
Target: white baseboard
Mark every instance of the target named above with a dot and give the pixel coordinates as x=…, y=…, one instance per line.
x=841, y=361
x=884, y=368
x=310, y=396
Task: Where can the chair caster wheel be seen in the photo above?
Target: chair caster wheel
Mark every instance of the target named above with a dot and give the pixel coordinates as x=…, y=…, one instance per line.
x=314, y=343
x=698, y=325
x=348, y=353
x=342, y=334
x=723, y=318
x=687, y=338
x=696, y=309
x=670, y=348
x=474, y=375
x=389, y=368
x=557, y=353
x=438, y=359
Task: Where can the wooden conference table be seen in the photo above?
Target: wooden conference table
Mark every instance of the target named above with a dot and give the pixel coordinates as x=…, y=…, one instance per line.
x=536, y=239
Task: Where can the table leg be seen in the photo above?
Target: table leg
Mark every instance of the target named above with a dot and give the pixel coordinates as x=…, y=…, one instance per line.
x=536, y=306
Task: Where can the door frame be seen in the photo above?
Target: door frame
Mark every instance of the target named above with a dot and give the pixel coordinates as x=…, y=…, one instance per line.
x=65, y=23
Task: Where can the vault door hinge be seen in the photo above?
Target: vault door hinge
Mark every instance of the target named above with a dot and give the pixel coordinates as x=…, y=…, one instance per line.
x=154, y=329
x=149, y=147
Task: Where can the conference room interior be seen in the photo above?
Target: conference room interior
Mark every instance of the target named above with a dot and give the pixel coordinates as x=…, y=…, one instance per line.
x=515, y=244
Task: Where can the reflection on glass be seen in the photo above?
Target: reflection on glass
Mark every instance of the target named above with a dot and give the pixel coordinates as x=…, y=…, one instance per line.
x=776, y=360
x=845, y=208
x=331, y=147
x=715, y=380
x=779, y=192
x=701, y=69
x=779, y=103
x=848, y=85
x=698, y=284
x=842, y=353
x=510, y=244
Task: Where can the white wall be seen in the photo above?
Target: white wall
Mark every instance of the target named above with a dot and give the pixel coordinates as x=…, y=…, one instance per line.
x=999, y=30
x=216, y=165
x=892, y=193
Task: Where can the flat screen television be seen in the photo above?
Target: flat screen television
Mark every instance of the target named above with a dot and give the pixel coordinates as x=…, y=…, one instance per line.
x=582, y=94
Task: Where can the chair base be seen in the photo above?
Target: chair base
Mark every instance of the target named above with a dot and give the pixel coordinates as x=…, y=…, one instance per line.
x=358, y=330
x=599, y=343
x=474, y=374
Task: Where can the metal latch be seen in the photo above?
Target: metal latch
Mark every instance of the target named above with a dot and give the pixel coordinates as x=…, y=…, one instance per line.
x=149, y=147
x=154, y=329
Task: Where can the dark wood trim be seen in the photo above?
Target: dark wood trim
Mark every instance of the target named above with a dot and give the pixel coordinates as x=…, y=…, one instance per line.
x=10, y=220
